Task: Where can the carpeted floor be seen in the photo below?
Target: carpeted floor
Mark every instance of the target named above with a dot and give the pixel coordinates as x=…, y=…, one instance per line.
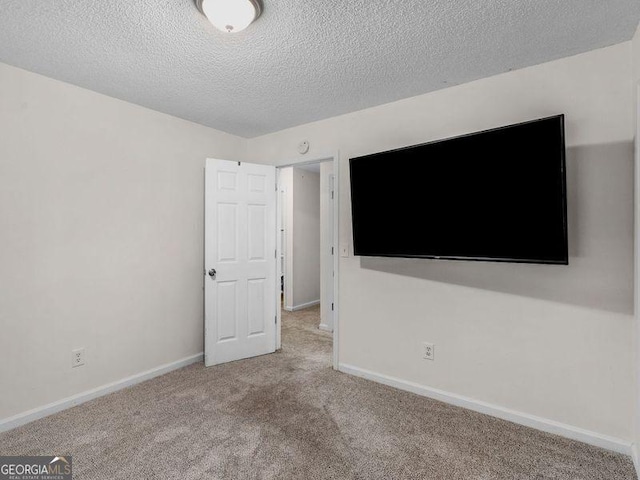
x=290, y=416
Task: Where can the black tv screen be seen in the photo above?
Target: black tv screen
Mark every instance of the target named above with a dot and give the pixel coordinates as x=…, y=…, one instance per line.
x=496, y=195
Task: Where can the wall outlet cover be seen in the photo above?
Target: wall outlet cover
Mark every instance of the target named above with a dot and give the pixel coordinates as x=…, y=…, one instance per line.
x=77, y=357
x=428, y=351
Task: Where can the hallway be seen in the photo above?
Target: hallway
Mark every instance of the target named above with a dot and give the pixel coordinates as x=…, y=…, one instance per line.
x=301, y=336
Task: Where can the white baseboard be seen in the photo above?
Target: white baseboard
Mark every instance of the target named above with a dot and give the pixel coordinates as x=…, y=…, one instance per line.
x=539, y=423
x=325, y=328
x=302, y=306
x=51, y=408
x=635, y=458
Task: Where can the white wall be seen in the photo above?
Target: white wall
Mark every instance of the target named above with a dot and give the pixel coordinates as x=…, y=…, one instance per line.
x=326, y=242
x=550, y=341
x=636, y=105
x=101, y=238
x=306, y=241
x=302, y=237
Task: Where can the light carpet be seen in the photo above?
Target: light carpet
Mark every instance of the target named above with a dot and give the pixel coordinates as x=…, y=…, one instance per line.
x=290, y=416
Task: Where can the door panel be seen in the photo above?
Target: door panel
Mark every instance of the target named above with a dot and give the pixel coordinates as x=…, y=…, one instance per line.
x=257, y=234
x=256, y=298
x=240, y=245
x=227, y=232
x=227, y=310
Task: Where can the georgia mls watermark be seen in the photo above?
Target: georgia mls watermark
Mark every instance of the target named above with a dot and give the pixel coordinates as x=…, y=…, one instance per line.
x=35, y=468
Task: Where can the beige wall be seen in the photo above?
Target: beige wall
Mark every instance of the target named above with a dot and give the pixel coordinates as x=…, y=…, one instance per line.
x=101, y=236
x=636, y=104
x=550, y=341
x=306, y=233
x=302, y=236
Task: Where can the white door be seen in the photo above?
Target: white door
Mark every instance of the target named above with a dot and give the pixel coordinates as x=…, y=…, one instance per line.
x=240, y=262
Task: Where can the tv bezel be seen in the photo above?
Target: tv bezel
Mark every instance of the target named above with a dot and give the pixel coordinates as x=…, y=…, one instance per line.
x=563, y=261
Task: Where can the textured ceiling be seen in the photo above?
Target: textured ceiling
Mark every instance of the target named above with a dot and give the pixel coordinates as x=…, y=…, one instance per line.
x=302, y=60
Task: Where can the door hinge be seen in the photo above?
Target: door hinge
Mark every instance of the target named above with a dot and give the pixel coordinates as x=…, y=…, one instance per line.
x=275, y=254
x=332, y=306
x=331, y=194
x=331, y=250
x=276, y=320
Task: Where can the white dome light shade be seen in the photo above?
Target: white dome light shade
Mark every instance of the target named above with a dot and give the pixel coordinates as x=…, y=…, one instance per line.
x=230, y=15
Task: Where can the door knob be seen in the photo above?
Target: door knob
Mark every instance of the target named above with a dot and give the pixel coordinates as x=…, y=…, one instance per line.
x=212, y=273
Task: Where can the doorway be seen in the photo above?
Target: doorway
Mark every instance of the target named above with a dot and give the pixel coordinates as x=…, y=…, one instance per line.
x=242, y=278
x=306, y=245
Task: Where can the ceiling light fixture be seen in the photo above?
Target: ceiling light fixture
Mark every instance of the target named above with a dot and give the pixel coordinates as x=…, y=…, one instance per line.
x=230, y=15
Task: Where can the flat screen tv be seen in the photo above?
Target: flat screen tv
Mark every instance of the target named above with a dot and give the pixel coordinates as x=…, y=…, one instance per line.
x=497, y=195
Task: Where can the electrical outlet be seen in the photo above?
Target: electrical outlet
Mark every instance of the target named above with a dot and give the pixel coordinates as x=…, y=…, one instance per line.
x=428, y=351
x=77, y=357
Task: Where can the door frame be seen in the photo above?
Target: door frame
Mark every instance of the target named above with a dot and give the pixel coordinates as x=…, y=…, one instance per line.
x=335, y=158
x=635, y=453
